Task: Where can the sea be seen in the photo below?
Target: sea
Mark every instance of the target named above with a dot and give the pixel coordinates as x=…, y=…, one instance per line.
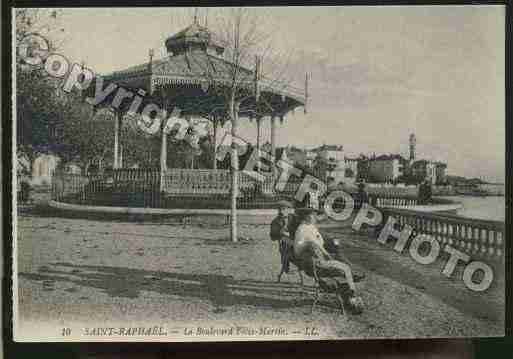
x=490, y=207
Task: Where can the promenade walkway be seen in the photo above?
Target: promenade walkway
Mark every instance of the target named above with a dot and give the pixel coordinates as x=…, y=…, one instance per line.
x=175, y=274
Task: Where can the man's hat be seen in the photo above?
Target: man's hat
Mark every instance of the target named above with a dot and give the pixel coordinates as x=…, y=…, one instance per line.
x=284, y=204
x=308, y=205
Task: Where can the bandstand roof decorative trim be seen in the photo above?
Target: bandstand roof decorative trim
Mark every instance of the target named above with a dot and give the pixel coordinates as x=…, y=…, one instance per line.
x=185, y=69
x=191, y=63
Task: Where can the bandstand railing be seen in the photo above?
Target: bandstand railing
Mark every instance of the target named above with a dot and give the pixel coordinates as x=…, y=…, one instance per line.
x=65, y=185
x=124, y=187
x=184, y=188
x=196, y=182
x=475, y=237
x=213, y=182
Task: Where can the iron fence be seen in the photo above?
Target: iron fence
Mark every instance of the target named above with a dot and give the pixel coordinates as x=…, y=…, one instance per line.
x=193, y=188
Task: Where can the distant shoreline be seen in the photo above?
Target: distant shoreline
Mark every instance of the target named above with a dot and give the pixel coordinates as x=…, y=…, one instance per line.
x=481, y=207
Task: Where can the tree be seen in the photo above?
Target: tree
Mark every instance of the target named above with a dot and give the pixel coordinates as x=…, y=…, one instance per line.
x=181, y=154
x=138, y=149
x=44, y=22
x=241, y=33
x=87, y=134
x=38, y=101
x=37, y=109
x=89, y=137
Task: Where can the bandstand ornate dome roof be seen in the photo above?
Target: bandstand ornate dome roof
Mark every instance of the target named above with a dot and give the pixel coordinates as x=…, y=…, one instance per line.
x=192, y=37
x=195, y=57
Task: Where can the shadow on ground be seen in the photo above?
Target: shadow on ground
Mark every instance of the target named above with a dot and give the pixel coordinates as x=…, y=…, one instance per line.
x=221, y=290
x=43, y=210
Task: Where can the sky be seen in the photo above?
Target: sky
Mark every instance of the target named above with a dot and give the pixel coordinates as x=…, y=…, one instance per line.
x=377, y=74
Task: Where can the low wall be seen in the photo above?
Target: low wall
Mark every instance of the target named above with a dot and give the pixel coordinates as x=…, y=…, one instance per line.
x=157, y=211
x=476, y=237
x=410, y=190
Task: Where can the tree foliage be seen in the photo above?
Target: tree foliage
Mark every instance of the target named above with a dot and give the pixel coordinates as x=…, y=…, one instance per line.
x=38, y=101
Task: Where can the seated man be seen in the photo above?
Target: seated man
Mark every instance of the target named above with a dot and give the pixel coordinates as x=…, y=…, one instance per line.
x=309, y=251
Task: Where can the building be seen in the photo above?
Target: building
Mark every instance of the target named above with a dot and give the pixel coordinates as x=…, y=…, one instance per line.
x=398, y=169
x=362, y=168
x=43, y=168
x=440, y=172
x=424, y=170
x=434, y=172
x=351, y=172
x=310, y=158
x=293, y=155
x=493, y=189
x=330, y=162
x=386, y=168
x=412, y=145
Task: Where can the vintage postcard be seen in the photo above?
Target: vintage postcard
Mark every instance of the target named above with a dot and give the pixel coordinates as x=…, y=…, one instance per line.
x=258, y=174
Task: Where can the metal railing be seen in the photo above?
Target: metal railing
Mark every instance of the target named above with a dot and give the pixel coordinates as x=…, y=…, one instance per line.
x=196, y=182
x=183, y=188
x=124, y=187
x=191, y=187
x=67, y=186
x=393, y=200
x=212, y=182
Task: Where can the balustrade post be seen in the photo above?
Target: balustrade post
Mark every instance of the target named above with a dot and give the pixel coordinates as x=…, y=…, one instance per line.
x=496, y=243
x=480, y=239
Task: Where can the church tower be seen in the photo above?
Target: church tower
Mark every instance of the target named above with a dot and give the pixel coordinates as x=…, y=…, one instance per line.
x=413, y=142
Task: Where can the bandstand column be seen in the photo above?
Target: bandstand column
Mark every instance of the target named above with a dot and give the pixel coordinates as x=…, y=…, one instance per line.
x=273, y=142
x=258, y=122
x=163, y=150
x=214, y=122
x=120, y=160
x=188, y=118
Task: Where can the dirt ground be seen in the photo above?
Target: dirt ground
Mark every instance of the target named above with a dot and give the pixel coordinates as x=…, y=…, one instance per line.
x=94, y=272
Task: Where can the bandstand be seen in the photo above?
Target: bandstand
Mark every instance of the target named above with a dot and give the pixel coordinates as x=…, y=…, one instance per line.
x=194, y=77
